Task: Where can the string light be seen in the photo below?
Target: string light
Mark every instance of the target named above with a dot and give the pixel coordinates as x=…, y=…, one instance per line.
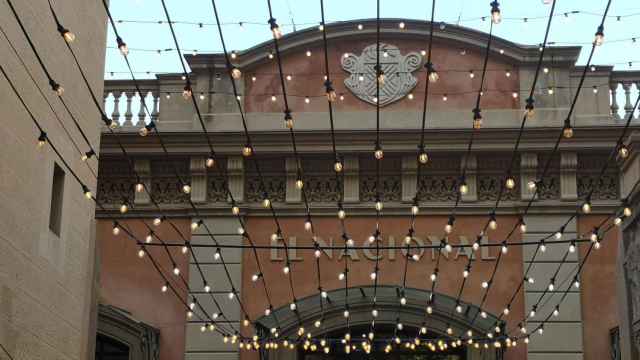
x=599, y=37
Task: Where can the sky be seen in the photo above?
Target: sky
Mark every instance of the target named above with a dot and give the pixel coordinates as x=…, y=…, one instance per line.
x=572, y=29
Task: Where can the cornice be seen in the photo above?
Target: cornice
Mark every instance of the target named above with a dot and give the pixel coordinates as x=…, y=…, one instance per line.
x=456, y=35
x=402, y=141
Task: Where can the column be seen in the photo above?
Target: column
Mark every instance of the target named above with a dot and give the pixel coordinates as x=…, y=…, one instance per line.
x=351, y=186
x=293, y=194
x=198, y=179
x=470, y=178
x=528, y=172
x=563, y=337
x=568, y=185
x=235, y=173
x=143, y=168
x=207, y=345
x=409, y=177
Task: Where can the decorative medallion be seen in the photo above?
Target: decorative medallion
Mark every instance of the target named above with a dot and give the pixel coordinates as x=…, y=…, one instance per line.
x=398, y=71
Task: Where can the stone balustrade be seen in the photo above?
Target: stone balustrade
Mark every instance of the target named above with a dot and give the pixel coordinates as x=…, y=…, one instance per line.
x=624, y=87
x=124, y=104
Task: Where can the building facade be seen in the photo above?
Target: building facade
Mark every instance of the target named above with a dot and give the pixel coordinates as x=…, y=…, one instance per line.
x=583, y=328
x=47, y=227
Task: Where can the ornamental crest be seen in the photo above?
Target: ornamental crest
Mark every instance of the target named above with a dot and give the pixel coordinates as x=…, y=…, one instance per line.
x=398, y=71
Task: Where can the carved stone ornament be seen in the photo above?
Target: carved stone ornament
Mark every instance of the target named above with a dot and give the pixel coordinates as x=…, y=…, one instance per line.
x=397, y=68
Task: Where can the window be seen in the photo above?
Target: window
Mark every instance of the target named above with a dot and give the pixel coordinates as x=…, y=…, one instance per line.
x=110, y=349
x=57, y=194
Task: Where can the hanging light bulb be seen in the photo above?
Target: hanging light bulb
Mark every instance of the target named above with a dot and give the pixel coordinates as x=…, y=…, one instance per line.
x=623, y=151
x=543, y=246
x=523, y=226
x=378, y=205
x=627, y=211
x=42, y=139
x=236, y=73
x=157, y=221
x=124, y=208
x=529, y=108
x=432, y=73
x=493, y=223
x=477, y=118
x=415, y=208
x=187, y=92
x=463, y=188
x=599, y=38
x=378, y=153
x=449, y=227
x=122, y=46
x=496, y=16
x=510, y=183
x=116, y=228
x=379, y=75
x=87, y=193
x=586, y=206
x=275, y=29
x=504, y=247
x=247, y=150
x=567, y=130
x=330, y=91
x=341, y=214
x=337, y=166
x=572, y=247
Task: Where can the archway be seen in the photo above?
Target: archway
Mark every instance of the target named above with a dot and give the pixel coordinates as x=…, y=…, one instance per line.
x=390, y=312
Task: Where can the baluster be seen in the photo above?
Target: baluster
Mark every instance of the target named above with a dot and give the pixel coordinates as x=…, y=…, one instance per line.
x=141, y=112
x=613, y=87
x=636, y=113
x=128, y=114
x=115, y=115
x=156, y=112
x=628, y=108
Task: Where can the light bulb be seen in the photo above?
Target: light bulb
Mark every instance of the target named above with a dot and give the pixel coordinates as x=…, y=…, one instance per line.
x=403, y=301
x=307, y=225
x=207, y=288
x=496, y=16
x=139, y=187
x=483, y=314
x=157, y=221
x=140, y=253
x=510, y=183
x=623, y=152
x=235, y=210
x=115, y=230
x=292, y=306
x=176, y=270
x=448, y=228
x=317, y=253
x=341, y=276
x=464, y=188
x=266, y=203
x=373, y=275
x=341, y=214
x=186, y=188
x=429, y=309
x=493, y=224
x=476, y=246
x=523, y=227
x=506, y=311
x=485, y=284
x=423, y=158
x=599, y=38
x=458, y=308
x=543, y=247
x=448, y=248
x=210, y=162
x=433, y=276
x=122, y=46
x=378, y=205
x=124, y=208
x=627, y=211
x=504, y=249
x=572, y=247
x=378, y=153
x=255, y=277
x=286, y=269
x=465, y=273
x=586, y=207
x=337, y=166
x=374, y=313
x=567, y=131
x=247, y=151
x=346, y=313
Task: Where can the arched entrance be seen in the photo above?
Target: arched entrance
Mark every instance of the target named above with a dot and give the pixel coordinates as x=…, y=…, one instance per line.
x=390, y=313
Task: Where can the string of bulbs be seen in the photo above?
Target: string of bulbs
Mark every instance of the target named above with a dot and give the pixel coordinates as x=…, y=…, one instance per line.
x=45, y=137
x=566, y=132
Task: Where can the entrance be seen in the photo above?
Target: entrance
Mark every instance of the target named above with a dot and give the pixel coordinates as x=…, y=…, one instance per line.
x=385, y=334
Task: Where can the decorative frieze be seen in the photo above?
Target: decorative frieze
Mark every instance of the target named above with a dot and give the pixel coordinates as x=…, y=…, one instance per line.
x=165, y=186
x=565, y=179
x=605, y=187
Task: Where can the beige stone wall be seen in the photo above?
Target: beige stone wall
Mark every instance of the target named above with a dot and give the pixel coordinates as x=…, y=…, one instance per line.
x=46, y=281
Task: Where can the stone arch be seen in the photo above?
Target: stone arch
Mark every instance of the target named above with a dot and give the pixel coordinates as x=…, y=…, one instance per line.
x=412, y=315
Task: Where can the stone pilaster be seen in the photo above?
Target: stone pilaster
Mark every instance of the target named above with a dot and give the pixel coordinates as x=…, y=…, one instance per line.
x=409, y=177
x=470, y=178
x=198, y=179
x=293, y=194
x=143, y=168
x=351, y=186
x=568, y=185
x=235, y=173
x=528, y=172
x=563, y=336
